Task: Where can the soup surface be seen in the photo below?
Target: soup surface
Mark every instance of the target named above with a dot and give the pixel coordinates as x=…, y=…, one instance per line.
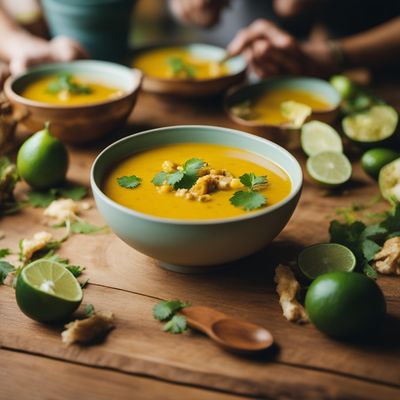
x=148, y=199
x=43, y=90
x=266, y=108
x=178, y=63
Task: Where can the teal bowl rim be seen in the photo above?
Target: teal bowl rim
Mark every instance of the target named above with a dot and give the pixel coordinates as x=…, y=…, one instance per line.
x=296, y=187
x=10, y=92
x=235, y=90
x=150, y=47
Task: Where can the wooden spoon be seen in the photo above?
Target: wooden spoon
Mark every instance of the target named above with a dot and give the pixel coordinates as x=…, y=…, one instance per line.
x=231, y=333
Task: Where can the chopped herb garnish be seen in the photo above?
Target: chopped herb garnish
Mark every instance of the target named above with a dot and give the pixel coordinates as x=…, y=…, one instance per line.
x=76, y=270
x=166, y=311
x=64, y=82
x=5, y=269
x=84, y=227
x=89, y=310
x=129, y=182
x=179, y=67
x=184, y=179
x=177, y=324
x=4, y=252
x=250, y=199
x=42, y=199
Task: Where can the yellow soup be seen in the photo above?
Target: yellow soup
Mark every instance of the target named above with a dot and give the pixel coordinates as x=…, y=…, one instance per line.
x=147, y=198
x=178, y=63
x=266, y=108
x=96, y=92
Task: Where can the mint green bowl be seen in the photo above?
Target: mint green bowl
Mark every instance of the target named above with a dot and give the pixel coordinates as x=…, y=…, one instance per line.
x=195, y=245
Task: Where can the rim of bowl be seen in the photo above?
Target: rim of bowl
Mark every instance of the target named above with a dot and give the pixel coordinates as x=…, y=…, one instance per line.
x=136, y=74
x=243, y=86
x=296, y=187
x=191, y=81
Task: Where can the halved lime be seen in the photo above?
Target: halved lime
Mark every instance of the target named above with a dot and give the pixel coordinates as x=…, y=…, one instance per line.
x=329, y=168
x=374, y=125
x=389, y=181
x=322, y=258
x=374, y=160
x=47, y=292
x=317, y=136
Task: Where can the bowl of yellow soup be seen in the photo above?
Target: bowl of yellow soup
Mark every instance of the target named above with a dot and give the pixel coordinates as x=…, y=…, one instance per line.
x=262, y=104
x=177, y=194
x=84, y=100
x=192, y=70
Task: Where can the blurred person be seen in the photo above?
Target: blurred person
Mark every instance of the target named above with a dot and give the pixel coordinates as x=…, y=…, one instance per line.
x=356, y=32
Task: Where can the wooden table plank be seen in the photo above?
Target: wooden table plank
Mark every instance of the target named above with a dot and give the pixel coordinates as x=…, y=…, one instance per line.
x=67, y=381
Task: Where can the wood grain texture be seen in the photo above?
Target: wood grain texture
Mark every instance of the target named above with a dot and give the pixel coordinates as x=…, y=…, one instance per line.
x=123, y=281
x=64, y=380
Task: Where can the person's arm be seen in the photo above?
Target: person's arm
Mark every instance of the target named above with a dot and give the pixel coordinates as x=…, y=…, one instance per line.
x=20, y=49
x=203, y=13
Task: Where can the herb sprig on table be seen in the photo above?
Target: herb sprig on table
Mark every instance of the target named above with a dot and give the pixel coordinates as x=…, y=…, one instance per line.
x=166, y=311
x=366, y=240
x=179, y=67
x=64, y=82
x=42, y=199
x=250, y=198
x=181, y=179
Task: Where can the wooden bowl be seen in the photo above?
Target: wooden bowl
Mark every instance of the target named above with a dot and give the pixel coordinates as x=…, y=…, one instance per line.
x=192, y=88
x=82, y=123
x=239, y=94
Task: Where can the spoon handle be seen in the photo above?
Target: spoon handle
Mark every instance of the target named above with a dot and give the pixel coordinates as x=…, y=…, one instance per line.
x=202, y=318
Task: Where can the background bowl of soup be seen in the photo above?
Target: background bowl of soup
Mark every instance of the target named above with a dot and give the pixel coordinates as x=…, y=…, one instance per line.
x=77, y=115
x=259, y=105
x=192, y=70
x=162, y=226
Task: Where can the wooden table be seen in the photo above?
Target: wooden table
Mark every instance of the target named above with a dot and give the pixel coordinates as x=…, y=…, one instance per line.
x=139, y=361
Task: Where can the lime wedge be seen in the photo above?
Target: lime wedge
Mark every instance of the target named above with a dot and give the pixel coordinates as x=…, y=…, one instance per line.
x=317, y=136
x=372, y=126
x=389, y=181
x=47, y=292
x=329, y=168
x=322, y=258
x=295, y=112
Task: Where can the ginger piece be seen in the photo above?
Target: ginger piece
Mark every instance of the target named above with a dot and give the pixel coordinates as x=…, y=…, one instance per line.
x=387, y=260
x=89, y=329
x=30, y=246
x=61, y=210
x=287, y=288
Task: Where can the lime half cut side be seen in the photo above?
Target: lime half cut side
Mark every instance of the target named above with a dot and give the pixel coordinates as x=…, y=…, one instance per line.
x=322, y=258
x=329, y=168
x=47, y=292
x=317, y=137
x=372, y=126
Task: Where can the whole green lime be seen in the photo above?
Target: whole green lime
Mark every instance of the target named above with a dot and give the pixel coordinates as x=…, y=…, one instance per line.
x=345, y=304
x=343, y=85
x=42, y=160
x=373, y=160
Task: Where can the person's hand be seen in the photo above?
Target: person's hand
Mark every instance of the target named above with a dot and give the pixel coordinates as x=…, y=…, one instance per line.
x=38, y=51
x=4, y=73
x=203, y=13
x=267, y=49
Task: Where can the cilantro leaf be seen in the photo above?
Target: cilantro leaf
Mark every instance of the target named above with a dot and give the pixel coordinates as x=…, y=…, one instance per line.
x=85, y=227
x=369, y=249
x=192, y=166
x=41, y=199
x=252, y=181
x=369, y=271
x=72, y=192
x=174, y=177
x=76, y=270
x=65, y=82
x=166, y=309
x=4, y=252
x=178, y=66
x=89, y=310
x=177, y=324
x=248, y=200
x=160, y=178
x=129, y=182
x=5, y=269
